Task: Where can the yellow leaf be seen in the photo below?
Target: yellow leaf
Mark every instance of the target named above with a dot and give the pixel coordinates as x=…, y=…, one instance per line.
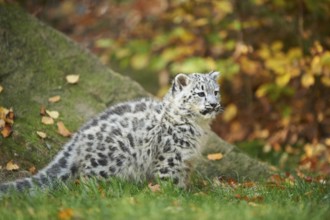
x=294, y=71
x=325, y=81
x=278, y=64
x=225, y=7
x=53, y=114
x=3, y=112
x=283, y=80
x=139, y=61
x=325, y=59
x=327, y=141
x=62, y=130
x=72, y=79
x=47, y=120
x=307, y=80
x=41, y=134
x=65, y=214
x=295, y=53
x=154, y=188
x=216, y=156
x=277, y=46
x=308, y=150
x=11, y=166
x=1, y=88
x=316, y=65
x=230, y=112
x=2, y=123
x=249, y=66
x=54, y=99
x=200, y=22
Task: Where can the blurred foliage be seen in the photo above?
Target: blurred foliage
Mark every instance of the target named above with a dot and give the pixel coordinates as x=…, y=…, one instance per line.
x=273, y=54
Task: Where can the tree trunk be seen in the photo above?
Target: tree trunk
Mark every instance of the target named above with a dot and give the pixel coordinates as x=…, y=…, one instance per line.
x=34, y=60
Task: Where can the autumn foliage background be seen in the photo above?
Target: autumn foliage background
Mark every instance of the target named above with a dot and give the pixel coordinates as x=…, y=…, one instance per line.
x=274, y=56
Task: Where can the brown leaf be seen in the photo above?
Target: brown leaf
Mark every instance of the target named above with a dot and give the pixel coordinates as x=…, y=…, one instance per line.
x=249, y=184
x=232, y=182
x=6, y=131
x=42, y=110
x=72, y=79
x=33, y=170
x=65, y=214
x=254, y=199
x=7, y=115
x=54, y=99
x=154, y=188
x=216, y=156
x=62, y=130
x=6, y=121
x=10, y=116
x=10, y=166
x=47, y=120
x=240, y=197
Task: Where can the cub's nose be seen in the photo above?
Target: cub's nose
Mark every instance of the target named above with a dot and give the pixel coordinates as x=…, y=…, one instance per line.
x=213, y=105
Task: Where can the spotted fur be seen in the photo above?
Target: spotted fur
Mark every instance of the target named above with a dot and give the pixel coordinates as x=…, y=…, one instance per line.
x=138, y=140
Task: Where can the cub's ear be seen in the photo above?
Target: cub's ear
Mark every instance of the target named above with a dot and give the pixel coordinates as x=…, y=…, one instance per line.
x=180, y=81
x=215, y=75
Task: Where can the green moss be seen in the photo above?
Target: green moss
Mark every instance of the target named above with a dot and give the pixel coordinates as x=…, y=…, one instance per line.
x=37, y=59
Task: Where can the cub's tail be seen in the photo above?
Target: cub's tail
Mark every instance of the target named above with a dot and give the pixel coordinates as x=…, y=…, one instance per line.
x=61, y=168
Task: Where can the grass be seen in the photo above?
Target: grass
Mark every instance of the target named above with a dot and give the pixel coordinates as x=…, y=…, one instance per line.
x=100, y=199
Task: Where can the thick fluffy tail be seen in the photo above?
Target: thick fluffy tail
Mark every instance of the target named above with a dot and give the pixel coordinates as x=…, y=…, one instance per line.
x=60, y=169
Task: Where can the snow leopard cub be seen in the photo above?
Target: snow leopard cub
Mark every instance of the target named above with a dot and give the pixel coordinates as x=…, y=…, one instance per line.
x=138, y=140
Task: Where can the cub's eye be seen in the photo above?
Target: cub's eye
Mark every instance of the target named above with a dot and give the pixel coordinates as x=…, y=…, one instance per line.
x=201, y=94
x=216, y=93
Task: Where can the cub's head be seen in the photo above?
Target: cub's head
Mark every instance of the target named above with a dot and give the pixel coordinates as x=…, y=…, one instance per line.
x=196, y=94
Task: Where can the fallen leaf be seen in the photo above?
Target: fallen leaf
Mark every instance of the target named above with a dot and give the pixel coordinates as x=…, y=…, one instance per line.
x=41, y=134
x=7, y=115
x=54, y=99
x=47, y=120
x=53, y=114
x=10, y=116
x=3, y=112
x=231, y=182
x=6, y=121
x=253, y=199
x=154, y=188
x=249, y=184
x=10, y=166
x=43, y=110
x=2, y=123
x=62, y=130
x=6, y=130
x=32, y=170
x=216, y=156
x=240, y=197
x=65, y=214
x=72, y=79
